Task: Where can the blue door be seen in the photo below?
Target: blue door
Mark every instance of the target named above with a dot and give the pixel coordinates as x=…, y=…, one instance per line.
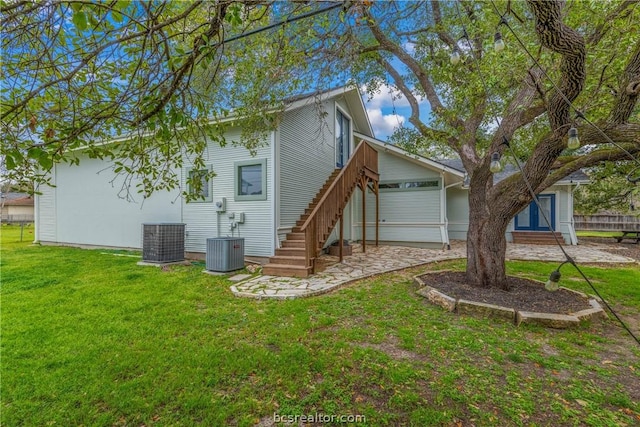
x=532, y=219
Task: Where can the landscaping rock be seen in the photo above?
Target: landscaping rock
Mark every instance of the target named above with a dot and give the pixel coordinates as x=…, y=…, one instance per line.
x=444, y=301
x=551, y=320
x=485, y=310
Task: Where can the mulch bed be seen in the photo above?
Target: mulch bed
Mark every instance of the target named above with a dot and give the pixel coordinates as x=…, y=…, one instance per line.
x=525, y=295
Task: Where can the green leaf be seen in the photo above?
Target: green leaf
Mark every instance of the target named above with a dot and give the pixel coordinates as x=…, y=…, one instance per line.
x=93, y=21
x=36, y=153
x=9, y=162
x=45, y=162
x=80, y=20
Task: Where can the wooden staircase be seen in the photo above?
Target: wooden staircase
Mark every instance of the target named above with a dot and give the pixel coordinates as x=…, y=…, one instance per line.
x=299, y=250
x=536, y=237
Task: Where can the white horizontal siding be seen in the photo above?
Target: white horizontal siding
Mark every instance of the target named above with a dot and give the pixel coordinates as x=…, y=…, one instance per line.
x=45, y=211
x=201, y=218
x=409, y=233
x=89, y=210
x=307, y=157
x=458, y=213
x=405, y=216
x=564, y=217
x=392, y=168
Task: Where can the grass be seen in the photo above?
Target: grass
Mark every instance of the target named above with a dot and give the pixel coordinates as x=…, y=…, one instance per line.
x=591, y=233
x=90, y=338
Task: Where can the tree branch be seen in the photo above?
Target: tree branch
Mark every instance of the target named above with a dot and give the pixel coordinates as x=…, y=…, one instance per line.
x=629, y=90
x=415, y=106
x=555, y=35
x=520, y=110
x=601, y=30
x=437, y=19
x=585, y=161
x=424, y=81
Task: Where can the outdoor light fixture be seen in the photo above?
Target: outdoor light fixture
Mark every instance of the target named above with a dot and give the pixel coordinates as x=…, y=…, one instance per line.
x=555, y=276
x=552, y=283
x=498, y=43
x=454, y=58
x=573, y=141
x=495, y=165
x=466, y=181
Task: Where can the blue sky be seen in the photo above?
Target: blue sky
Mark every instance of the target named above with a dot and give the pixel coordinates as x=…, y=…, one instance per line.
x=388, y=109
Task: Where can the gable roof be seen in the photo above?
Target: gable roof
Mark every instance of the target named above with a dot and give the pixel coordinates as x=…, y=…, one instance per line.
x=573, y=178
x=455, y=167
x=454, y=173
x=351, y=95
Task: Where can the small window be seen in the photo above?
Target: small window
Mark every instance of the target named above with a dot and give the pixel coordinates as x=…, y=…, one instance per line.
x=410, y=185
x=388, y=185
x=422, y=184
x=202, y=191
x=251, y=180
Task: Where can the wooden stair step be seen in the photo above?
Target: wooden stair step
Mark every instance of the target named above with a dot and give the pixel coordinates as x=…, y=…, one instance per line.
x=288, y=260
x=290, y=252
x=295, y=236
x=536, y=237
x=286, y=270
x=293, y=243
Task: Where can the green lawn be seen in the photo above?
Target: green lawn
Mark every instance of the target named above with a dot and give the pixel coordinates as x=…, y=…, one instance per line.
x=591, y=233
x=90, y=338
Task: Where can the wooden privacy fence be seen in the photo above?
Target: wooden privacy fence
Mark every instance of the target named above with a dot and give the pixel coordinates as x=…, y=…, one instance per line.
x=606, y=222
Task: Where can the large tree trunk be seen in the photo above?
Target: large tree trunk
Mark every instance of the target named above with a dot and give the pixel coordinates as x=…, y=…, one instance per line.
x=486, y=244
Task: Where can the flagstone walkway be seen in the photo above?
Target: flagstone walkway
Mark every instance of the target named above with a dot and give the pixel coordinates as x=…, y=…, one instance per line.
x=383, y=259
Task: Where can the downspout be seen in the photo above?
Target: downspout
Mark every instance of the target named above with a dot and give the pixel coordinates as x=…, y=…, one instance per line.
x=275, y=187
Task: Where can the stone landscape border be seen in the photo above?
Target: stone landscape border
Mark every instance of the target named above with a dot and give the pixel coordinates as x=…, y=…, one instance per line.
x=518, y=317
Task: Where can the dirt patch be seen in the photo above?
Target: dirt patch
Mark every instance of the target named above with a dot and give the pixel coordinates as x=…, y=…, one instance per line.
x=525, y=294
x=391, y=347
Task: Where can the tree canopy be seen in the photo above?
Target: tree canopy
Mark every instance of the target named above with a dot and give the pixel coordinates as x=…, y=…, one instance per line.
x=143, y=83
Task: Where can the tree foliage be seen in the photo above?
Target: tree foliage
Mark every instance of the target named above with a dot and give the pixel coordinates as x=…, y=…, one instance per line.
x=152, y=78
x=562, y=58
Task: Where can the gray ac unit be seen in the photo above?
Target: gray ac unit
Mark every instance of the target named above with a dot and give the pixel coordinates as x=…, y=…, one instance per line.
x=163, y=242
x=225, y=254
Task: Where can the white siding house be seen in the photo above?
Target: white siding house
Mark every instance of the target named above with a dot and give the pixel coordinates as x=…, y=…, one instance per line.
x=203, y=220
x=421, y=201
x=290, y=166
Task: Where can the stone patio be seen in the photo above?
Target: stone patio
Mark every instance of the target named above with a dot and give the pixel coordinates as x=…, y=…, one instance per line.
x=383, y=259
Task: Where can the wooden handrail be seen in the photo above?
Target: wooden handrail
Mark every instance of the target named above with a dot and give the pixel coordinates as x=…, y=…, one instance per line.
x=329, y=208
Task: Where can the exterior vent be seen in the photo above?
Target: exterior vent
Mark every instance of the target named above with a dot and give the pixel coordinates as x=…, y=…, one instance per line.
x=163, y=242
x=225, y=254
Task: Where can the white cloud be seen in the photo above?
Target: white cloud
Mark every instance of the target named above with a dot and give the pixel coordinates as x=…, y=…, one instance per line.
x=387, y=97
x=384, y=124
x=409, y=47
